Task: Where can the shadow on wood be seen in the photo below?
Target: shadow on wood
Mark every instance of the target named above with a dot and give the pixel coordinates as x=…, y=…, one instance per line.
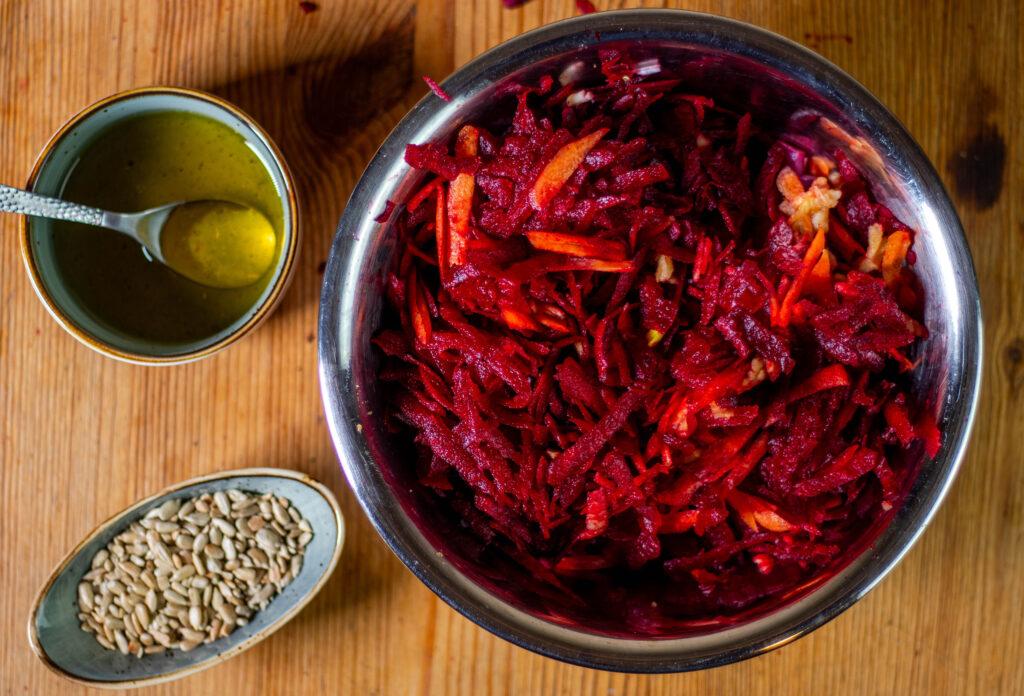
x=323, y=114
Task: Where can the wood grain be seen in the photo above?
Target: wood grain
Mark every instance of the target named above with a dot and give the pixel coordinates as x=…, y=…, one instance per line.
x=82, y=436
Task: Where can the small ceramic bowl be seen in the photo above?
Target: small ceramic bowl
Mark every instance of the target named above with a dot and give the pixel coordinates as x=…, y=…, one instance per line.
x=49, y=175
x=59, y=641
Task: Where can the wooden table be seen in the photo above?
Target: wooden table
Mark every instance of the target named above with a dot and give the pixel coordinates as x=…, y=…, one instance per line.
x=84, y=436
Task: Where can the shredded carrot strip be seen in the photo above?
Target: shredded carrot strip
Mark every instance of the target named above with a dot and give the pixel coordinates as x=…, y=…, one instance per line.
x=418, y=312
x=814, y=252
x=423, y=194
x=678, y=522
x=579, y=263
x=561, y=167
x=756, y=512
x=441, y=235
x=460, y=198
x=467, y=142
x=821, y=166
x=819, y=282
x=574, y=245
x=519, y=321
x=897, y=245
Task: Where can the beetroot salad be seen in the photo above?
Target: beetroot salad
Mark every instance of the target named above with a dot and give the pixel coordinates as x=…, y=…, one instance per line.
x=653, y=356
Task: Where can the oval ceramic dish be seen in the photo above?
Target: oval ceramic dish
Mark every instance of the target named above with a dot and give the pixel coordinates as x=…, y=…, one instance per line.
x=54, y=629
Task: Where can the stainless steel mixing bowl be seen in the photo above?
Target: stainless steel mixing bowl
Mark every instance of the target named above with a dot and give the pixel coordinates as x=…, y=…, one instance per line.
x=784, y=86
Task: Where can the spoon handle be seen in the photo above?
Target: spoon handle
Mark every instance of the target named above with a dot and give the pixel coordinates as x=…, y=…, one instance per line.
x=14, y=200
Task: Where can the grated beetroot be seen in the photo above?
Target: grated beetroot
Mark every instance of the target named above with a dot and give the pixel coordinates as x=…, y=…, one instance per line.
x=634, y=337
x=436, y=88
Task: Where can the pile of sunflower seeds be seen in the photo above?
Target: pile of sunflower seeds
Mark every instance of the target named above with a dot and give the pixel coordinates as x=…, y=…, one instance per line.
x=191, y=571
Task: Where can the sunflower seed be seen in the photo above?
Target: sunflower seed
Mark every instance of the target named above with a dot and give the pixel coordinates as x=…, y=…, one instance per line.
x=227, y=612
x=197, y=618
x=259, y=559
x=200, y=519
x=191, y=571
x=183, y=572
x=169, y=509
x=263, y=594
x=85, y=596
x=242, y=527
x=268, y=539
x=165, y=527
x=114, y=624
x=246, y=574
x=192, y=634
x=222, y=502
x=279, y=513
x=128, y=568
x=226, y=528
x=175, y=598
x=142, y=614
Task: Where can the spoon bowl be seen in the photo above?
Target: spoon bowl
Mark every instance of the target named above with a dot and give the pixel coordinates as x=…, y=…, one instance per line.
x=217, y=243
x=59, y=641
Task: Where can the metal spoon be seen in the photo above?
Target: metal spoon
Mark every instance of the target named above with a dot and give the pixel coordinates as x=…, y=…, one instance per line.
x=214, y=243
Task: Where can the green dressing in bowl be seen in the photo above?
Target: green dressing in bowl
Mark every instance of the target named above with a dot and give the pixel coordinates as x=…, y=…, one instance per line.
x=150, y=160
